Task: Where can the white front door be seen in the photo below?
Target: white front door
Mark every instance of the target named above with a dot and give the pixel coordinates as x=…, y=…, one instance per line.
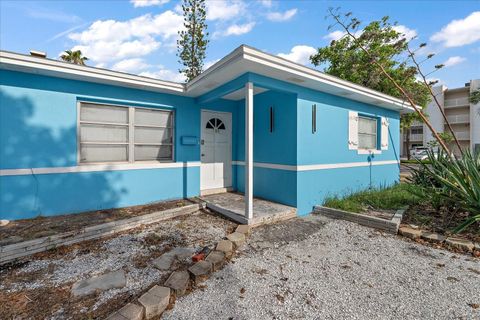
x=216, y=150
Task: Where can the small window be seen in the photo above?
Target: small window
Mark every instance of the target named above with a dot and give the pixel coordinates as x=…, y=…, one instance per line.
x=124, y=134
x=272, y=119
x=416, y=130
x=215, y=123
x=367, y=133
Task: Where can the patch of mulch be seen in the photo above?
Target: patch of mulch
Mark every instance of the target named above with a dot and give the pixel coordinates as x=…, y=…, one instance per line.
x=440, y=221
x=27, y=229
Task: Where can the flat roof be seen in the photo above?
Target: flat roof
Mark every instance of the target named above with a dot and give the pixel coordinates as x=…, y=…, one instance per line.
x=240, y=61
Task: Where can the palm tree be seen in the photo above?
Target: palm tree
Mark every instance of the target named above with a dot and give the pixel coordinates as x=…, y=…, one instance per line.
x=74, y=57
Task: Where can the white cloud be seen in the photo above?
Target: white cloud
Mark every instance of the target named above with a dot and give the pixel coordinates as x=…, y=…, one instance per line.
x=148, y=3
x=235, y=30
x=279, y=16
x=407, y=33
x=164, y=74
x=459, y=32
x=454, y=61
x=224, y=10
x=335, y=35
x=111, y=40
x=133, y=65
x=266, y=3
x=299, y=54
x=108, y=51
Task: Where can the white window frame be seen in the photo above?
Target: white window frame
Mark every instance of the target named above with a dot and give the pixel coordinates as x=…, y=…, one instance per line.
x=370, y=134
x=131, y=133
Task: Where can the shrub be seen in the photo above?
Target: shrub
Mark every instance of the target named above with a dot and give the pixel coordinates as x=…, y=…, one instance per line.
x=452, y=183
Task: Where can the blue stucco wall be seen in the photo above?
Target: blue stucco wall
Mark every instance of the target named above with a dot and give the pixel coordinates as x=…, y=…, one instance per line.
x=38, y=129
x=329, y=145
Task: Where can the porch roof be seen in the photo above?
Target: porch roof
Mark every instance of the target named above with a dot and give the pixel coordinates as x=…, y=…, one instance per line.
x=242, y=60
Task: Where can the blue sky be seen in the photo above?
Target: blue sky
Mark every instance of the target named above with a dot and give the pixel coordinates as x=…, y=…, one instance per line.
x=138, y=36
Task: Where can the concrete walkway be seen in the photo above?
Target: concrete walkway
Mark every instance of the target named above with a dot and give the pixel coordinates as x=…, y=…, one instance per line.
x=232, y=205
x=315, y=268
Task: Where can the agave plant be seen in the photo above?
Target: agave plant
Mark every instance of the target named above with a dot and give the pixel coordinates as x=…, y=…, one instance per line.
x=452, y=182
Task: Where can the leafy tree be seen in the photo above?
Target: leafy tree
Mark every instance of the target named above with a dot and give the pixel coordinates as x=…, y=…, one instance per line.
x=475, y=97
x=193, y=40
x=75, y=57
x=345, y=58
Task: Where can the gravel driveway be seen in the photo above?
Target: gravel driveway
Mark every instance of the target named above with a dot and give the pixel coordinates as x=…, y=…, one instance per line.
x=315, y=268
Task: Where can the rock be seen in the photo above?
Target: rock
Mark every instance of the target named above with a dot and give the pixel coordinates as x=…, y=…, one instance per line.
x=155, y=301
x=410, y=233
x=130, y=311
x=431, y=236
x=477, y=246
x=200, y=271
x=165, y=261
x=178, y=282
x=244, y=228
x=225, y=246
x=104, y=282
x=217, y=258
x=459, y=243
x=237, y=238
x=4, y=222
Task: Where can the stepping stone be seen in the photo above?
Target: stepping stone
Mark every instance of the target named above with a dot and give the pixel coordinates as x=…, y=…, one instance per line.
x=165, y=261
x=217, y=258
x=225, y=246
x=410, y=232
x=434, y=237
x=178, y=282
x=458, y=243
x=104, y=282
x=244, y=228
x=200, y=271
x=237, y=238
x=155, y=301
x=130, y=311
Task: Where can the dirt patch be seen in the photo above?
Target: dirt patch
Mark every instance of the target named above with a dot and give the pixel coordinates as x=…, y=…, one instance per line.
x=38, y=287
x=382, y=214
x=440, y=221
x=27, y=229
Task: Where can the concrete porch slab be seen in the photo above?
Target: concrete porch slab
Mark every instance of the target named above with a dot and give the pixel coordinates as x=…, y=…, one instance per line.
x=232, y=205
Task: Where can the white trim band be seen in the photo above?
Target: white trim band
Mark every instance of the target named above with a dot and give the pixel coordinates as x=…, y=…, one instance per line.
x=98, y=167
x=311, y=167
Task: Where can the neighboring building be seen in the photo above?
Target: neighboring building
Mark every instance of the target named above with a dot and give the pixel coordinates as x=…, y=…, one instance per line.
x=76, y=138
x=463, y=116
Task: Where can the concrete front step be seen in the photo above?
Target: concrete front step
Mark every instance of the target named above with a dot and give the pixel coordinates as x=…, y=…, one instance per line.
x=232, y=205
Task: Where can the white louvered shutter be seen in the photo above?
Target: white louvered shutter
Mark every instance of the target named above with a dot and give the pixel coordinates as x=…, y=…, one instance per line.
x=384, y=134
x=352, y=130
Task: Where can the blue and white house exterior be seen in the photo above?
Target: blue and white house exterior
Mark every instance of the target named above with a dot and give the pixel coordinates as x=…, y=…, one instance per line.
x=76, y=138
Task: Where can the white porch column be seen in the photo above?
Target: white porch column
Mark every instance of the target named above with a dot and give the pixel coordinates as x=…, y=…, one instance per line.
x=249, y=150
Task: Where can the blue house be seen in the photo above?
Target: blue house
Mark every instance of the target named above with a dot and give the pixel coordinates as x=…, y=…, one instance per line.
x=76, y=138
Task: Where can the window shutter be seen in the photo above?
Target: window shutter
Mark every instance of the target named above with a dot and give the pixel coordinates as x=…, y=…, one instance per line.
x=352, y=130
x=384, y=134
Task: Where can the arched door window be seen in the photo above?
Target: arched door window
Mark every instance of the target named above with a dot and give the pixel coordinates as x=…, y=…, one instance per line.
x=215, y=124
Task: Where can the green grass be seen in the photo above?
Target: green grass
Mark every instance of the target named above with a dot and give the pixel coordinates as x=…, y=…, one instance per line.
x=393, y=198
